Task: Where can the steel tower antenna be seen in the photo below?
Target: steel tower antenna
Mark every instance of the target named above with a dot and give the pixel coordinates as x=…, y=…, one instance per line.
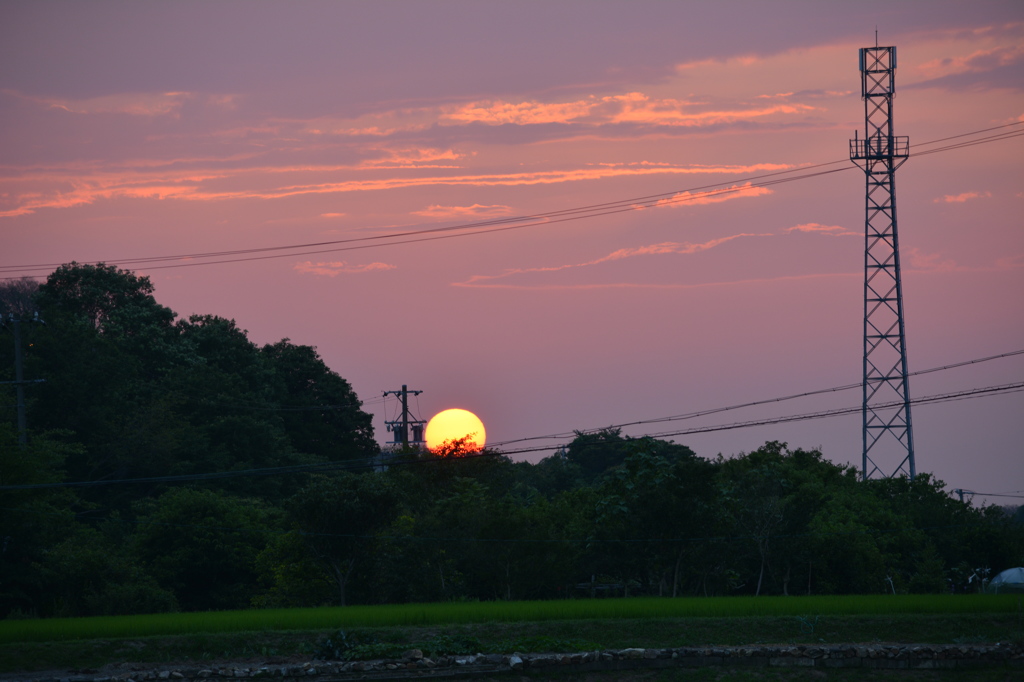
x=887, y=435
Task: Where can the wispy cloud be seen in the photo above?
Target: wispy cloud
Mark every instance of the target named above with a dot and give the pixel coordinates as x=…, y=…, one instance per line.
x=335, y=268
x=499, y=112
x=1010, y=262
x=931, y=262
x=976, y=62
x=669, y=285
x=413, y=157
x=632, y=107
x=989, y=58
x=437, y=211
x=936, y=263
x=662, y=248
x=20, y=196
x=818, y=228
x=135, y=104
x=961, y=198
x=715, y=196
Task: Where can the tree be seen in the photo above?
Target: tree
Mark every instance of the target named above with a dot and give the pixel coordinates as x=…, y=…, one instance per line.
x=597, y=452
x=93, y=576
x=657, y=501
x=202, y=545
x=550, y=476
x=17, y=297
x=290, y=576
x=104, y=348
x=32, y=522
x=115, y=301
x=319, y=409
x=118, y=305
x=755, y=487
x=339, y=517
x=856, y=543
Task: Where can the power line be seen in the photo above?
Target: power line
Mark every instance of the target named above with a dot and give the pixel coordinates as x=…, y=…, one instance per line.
x=446, y=232
x=972, y=492
x=291, y=408
x=729, y=408
x=622, y=203
x=369, y=463
x=926, y=400
x=517, y=222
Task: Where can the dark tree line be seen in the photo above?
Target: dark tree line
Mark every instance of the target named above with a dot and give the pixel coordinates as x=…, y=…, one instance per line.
x=132, y=392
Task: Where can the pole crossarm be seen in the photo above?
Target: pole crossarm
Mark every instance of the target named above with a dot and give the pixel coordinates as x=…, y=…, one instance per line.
x=887, y=431
x=400, y=427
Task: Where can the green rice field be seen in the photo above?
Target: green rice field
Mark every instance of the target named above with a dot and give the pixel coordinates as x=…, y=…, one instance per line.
x=439, y=614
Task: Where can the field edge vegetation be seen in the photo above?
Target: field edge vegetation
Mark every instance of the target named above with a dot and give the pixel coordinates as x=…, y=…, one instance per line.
x=436, y=614
x=270, y=646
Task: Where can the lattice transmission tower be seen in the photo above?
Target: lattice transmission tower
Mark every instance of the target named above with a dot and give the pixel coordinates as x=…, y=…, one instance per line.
x=888, y=434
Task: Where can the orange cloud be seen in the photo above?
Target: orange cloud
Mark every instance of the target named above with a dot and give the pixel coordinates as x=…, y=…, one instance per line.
x=931, y=262
x=818, y=228
x=936, y=263
x=436, y=211
x=492, y=180
x=135, y=104
x=49, y=188
x=523, y=113
x=664, y=113
x=1010, y=262
x=414, y=158
x=961, y=198
x=375, y=124
x=632, y=107
x=335, y=268
x=714, y=196
x=975, y=62
x=65, y=190
x=663, y=248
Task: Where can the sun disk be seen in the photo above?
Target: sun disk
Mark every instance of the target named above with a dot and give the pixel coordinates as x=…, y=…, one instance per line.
x=454, y=424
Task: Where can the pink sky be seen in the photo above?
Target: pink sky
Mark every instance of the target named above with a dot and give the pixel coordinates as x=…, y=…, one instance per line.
x=142, y=129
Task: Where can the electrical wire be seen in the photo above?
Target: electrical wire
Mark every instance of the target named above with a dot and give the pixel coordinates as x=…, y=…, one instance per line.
x=375, y=462
x=448, y=232
x=926, y=400
x=972, y=492
x=290, y=408
x=517, y=222
x=729, y=408
x=622, y=203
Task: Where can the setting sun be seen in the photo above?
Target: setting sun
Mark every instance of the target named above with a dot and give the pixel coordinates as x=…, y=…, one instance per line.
x=454, y=424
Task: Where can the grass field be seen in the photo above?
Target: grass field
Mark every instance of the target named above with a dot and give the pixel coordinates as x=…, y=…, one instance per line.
x=441, y=614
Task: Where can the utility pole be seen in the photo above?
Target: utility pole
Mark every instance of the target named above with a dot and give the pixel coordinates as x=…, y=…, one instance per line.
x=401, y=426
x=887, y=433
x=961, y=492
x=19, y=382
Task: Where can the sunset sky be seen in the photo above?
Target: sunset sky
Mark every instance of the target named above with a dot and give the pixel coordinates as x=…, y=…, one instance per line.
x=131, y=130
